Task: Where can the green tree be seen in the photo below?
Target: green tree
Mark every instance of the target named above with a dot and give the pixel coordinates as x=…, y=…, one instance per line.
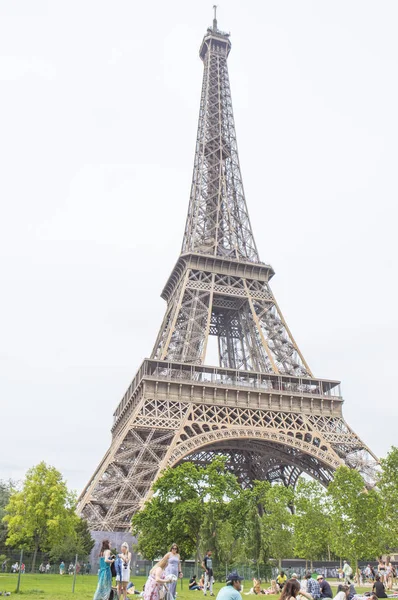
x=189, y=505
x=79, y=541
x=42, y=513
x=276, y=519
x=388, y=487
x=268, y=531
x=173, y=513
x=220, y=493
x=354, y=511
x=229, y=545
x=6, y=488
x=311, y=520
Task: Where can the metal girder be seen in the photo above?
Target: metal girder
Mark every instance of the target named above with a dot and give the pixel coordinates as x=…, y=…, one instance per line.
x=218, y=221
x=241, y=312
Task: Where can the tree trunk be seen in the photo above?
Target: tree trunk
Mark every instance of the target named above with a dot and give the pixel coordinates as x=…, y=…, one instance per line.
x=198, y=561
x=280, y=564
x=34, y=558
x=311, y=565
x=355, y=569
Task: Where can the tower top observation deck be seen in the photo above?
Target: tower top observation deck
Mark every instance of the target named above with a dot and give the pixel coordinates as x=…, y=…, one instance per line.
x=218, y=40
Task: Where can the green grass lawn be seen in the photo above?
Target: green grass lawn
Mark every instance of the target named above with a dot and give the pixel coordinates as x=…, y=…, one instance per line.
x=55, y=587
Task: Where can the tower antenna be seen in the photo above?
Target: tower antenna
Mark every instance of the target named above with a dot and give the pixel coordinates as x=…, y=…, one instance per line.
x=215, y=18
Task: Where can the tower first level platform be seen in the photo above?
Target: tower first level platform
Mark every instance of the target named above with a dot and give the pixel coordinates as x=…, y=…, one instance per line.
x=269, y=426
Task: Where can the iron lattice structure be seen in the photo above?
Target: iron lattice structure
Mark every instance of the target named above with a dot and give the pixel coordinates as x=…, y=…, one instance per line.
x=261, y=407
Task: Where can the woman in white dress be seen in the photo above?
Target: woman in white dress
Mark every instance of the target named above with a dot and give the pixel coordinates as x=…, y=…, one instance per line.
x=123, y=576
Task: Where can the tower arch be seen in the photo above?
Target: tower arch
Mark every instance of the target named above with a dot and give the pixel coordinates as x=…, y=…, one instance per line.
x=259, y=454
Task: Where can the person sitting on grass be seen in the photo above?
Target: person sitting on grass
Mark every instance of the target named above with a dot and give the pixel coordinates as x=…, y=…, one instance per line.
x=193, y=584
x=131, y=589
x=256, y=589
x=342, y=592
x=273, y=589
x=378, y=588
x=312, y=586
x=326, y=590
x=292, y=589
x=231, y=591
x=351, y=591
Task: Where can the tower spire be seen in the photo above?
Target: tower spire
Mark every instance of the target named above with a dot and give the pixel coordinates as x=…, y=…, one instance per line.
x=218, y=221
x=215, y=18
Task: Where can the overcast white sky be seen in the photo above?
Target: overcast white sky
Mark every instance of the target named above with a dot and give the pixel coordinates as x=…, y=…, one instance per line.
x=98, y=107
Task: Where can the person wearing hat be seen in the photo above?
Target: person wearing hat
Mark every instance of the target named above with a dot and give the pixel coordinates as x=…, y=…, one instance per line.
x=231, y=591
x=326, y=590
x=347, y=570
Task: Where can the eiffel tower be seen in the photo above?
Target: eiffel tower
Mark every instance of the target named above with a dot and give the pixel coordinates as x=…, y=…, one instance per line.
x=261, y=407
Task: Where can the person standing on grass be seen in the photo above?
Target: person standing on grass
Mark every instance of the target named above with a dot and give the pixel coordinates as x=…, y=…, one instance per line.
x=207, y=565
x=232, y=590
x=104, y=586
x=347, y=571
x=173, y=567
x=156, y=579
x=381, y=569
x=123, y=577
x=388, y=575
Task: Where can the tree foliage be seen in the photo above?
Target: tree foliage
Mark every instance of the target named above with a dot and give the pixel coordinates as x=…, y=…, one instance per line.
x=205, y=508
x=276, y=523
x=42, y=513
x=6, y=488
x=311, y=520
x=189, y=504
x=388, y=487
x=78, y=541
x=355, y=528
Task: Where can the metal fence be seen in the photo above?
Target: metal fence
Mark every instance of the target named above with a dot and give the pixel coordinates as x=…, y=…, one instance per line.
x=11, y=562
x=22, y=562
